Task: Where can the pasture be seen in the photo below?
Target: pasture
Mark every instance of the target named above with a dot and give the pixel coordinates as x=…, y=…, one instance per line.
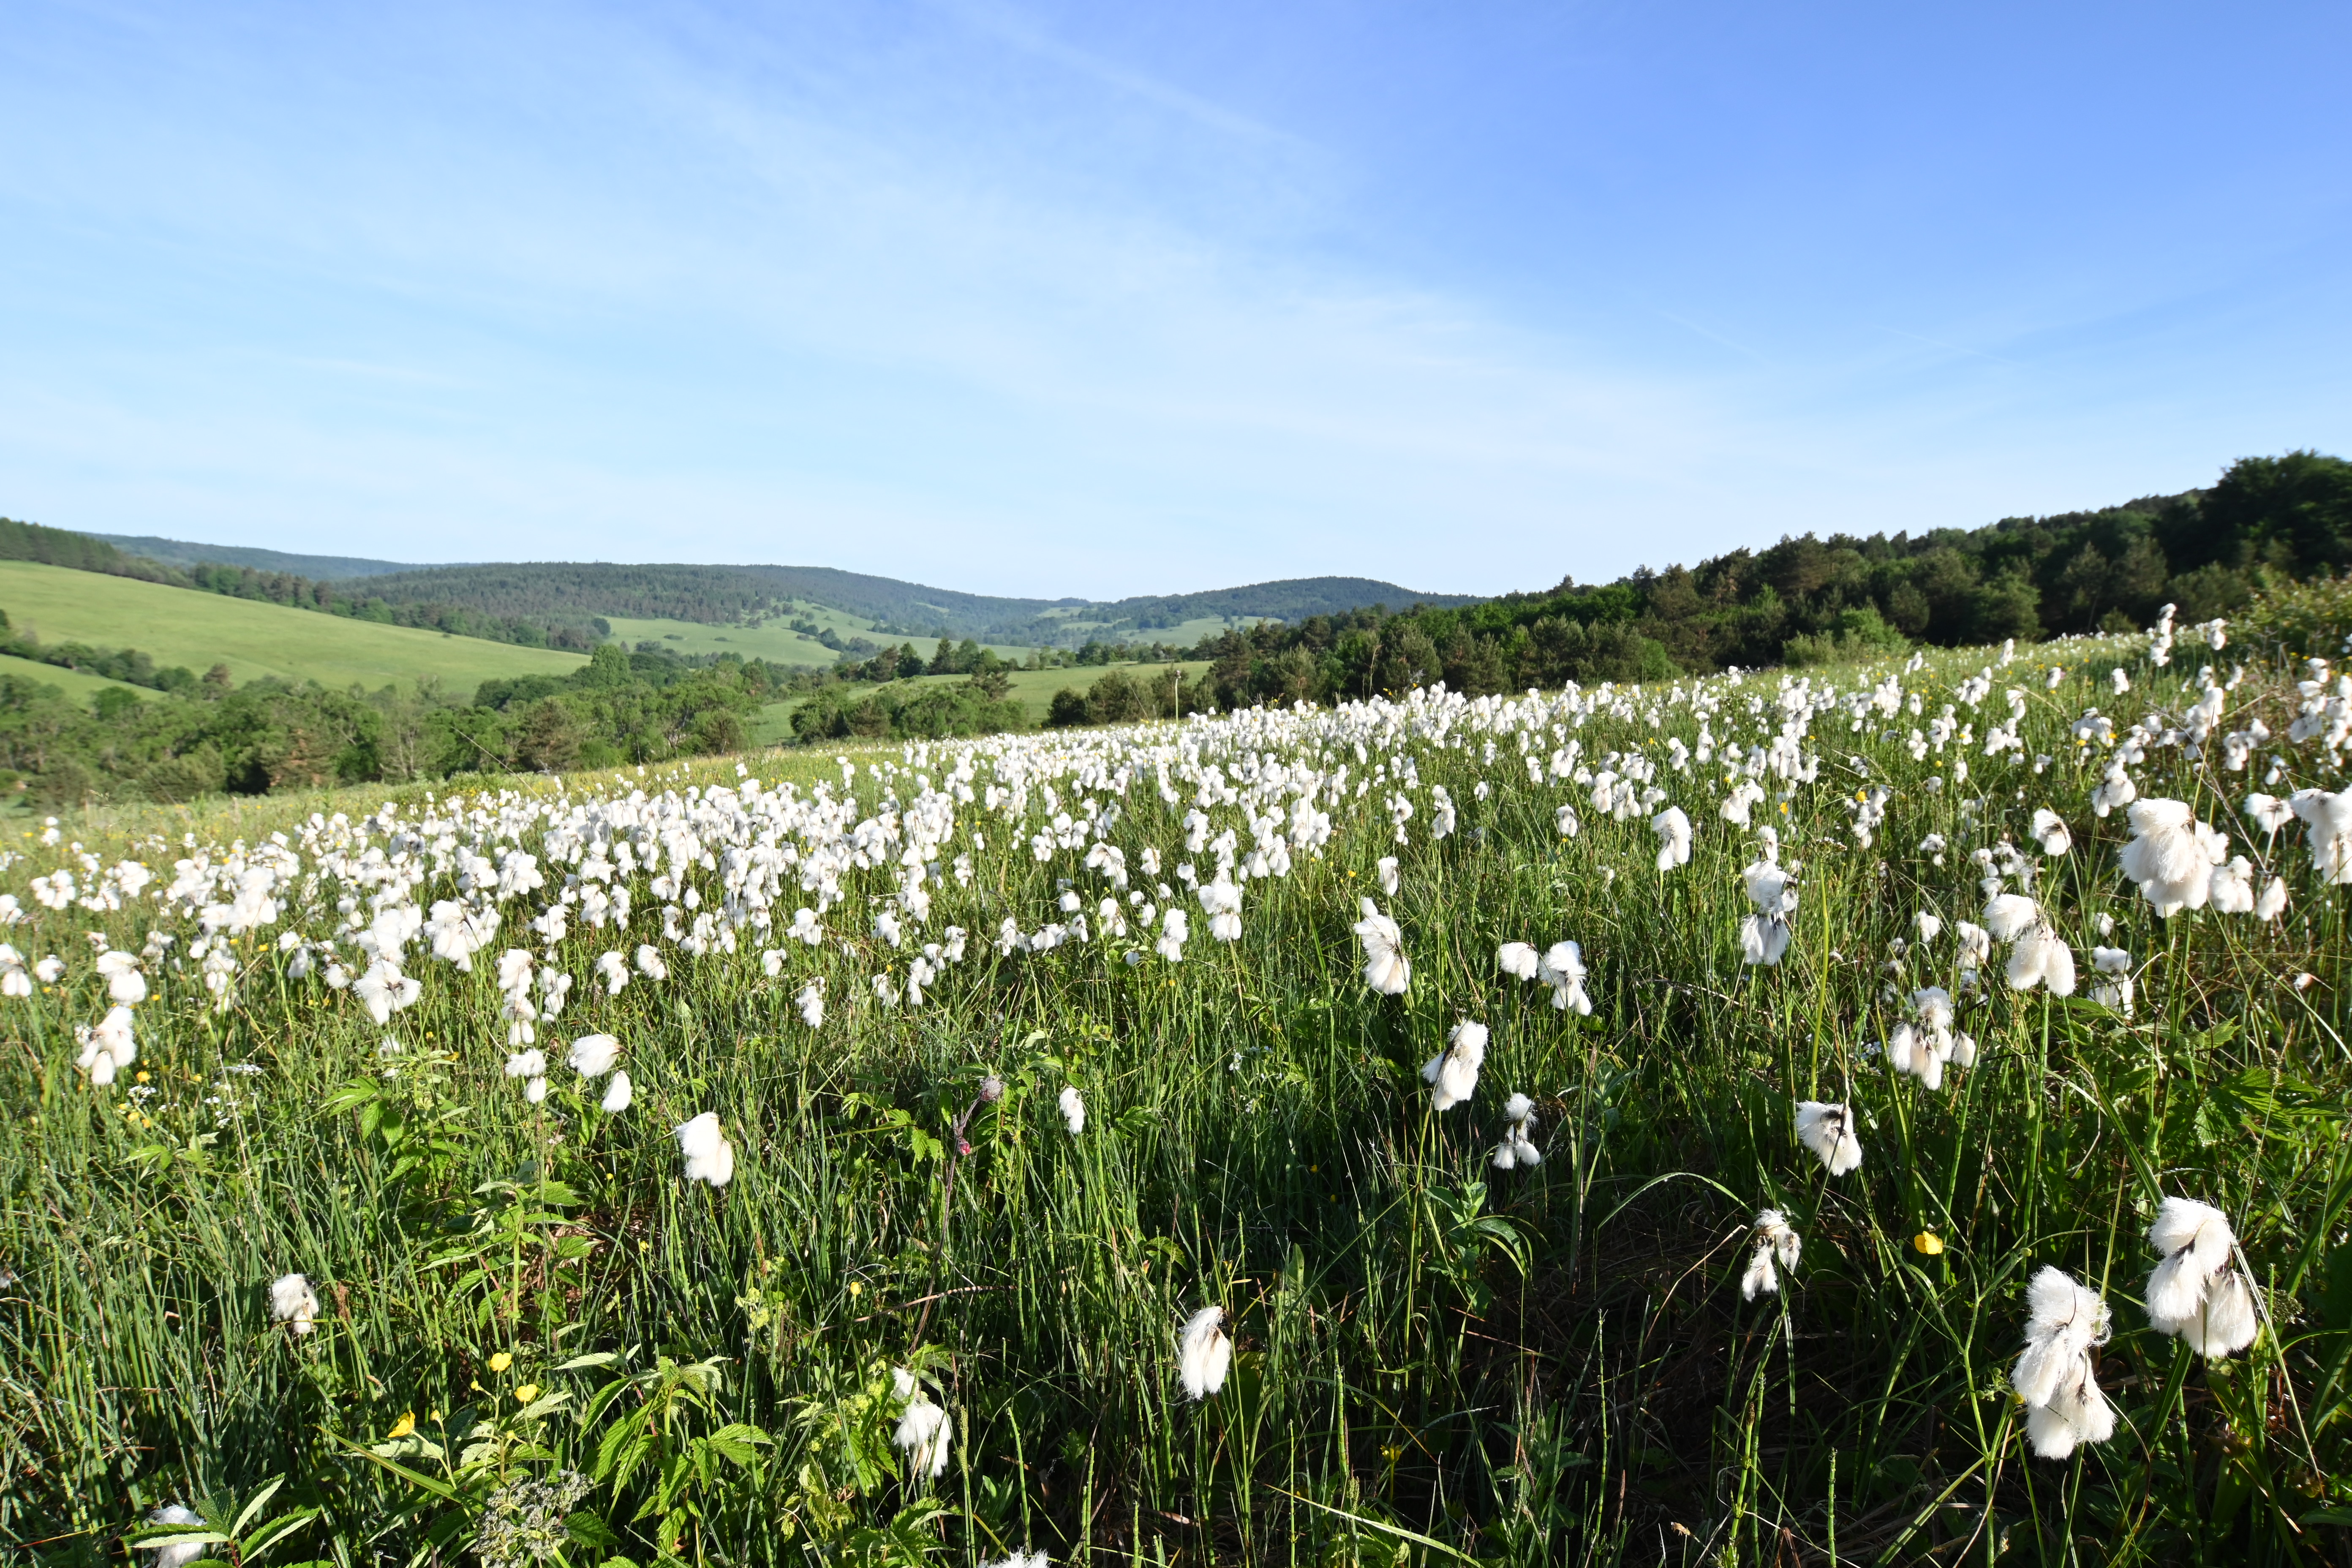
x=182, y=626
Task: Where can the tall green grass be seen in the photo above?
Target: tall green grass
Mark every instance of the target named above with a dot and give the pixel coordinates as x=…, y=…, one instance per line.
x=1438, y=1362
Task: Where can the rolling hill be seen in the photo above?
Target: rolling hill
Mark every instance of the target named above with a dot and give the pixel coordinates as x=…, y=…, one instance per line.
x=253, y=638
x=181, y=553
x=721, y=595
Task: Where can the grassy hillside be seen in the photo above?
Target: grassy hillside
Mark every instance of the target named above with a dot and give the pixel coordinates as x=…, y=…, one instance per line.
x=252, y=638
x=72, y=682
x=772, y=638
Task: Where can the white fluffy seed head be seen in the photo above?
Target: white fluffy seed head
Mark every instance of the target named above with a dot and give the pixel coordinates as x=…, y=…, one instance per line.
x=593, y=1055
x=291, y=1300
x=1204, y=1353
x=1827, y=1129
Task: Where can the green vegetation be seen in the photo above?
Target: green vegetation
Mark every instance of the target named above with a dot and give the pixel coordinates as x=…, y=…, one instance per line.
x=175, y=626
x=272, y=736
x=804, y=634
x=127, y=666
x=183, y=552
x=907, y=710
x=2266, y=523
x=67, y=683
x=512, y=1296
x=746, y=595
x=82, y=553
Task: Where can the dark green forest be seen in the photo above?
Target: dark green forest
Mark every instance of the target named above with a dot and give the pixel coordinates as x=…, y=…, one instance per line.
x=1807, y=600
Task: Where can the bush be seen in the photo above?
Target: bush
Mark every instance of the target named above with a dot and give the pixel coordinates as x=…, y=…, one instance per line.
x=2300, y=619
x=1855, y=633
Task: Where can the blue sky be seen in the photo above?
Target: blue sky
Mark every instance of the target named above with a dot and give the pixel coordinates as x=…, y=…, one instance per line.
x=1110, y=300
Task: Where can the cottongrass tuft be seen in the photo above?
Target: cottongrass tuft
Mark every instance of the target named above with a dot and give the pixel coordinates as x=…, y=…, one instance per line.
x=2050, y=832
x=2064, y=1407
x=532, y=1067
x=1074, y=1108
x=1517, y=960
x=2195, y=1294
x=1518, y=1151
x=593, y=1056
x=1386, y=968
x=1828, y=1131
x=708, y=1156
x=618, y=1095
x=1776, y=1240
x=1204, y=1353
x=2171, y=856
x=1452, y=1073
x=293, y=1302
x=2328, y=818
x=1562, y=969
x=925, y=1430
x=107, y=1047
x=2038, y=954
x=1673, y=831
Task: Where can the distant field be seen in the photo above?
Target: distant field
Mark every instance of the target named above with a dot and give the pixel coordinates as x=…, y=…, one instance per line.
x=774, y=640
x=80, y=687
x=178, y=626
x=1184, y=634
x=1035, y=688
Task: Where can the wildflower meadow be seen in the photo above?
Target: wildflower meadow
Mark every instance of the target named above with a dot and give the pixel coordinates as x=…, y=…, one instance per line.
x=1892, y=1113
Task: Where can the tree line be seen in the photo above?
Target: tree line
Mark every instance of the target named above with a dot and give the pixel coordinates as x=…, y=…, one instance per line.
x=1805, y=599
x=267, y=736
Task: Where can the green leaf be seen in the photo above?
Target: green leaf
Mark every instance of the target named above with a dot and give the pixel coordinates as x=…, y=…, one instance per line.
x=740, y=1443
x=173, y=1535
x=276, y=1531
x=589, y=1531
x=441, y=1489
x=255, y=1503
x=359, y=1091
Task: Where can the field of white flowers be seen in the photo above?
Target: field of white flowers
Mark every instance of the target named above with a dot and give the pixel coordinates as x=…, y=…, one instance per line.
x=1883, y=1115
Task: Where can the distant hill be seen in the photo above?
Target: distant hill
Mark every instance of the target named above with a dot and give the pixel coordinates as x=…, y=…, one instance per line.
x=719, y=595
x=1292, y=599
x=181, y=553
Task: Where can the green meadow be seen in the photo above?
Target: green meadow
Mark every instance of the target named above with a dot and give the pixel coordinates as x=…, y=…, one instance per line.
x=76, y=685
x=181, y=626
x=328, y=1237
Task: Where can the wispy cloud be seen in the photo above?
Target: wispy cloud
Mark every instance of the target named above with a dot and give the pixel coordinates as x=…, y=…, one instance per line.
x=948, y=291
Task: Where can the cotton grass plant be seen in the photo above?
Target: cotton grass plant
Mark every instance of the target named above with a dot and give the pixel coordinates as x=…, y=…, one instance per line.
x=902, y=1175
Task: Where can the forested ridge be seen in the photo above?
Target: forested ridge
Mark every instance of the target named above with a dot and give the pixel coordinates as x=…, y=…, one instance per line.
x=1807, y=599
x=723, y=595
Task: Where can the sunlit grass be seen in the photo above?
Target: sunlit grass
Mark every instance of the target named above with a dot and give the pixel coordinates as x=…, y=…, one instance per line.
x=1438, y=1360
